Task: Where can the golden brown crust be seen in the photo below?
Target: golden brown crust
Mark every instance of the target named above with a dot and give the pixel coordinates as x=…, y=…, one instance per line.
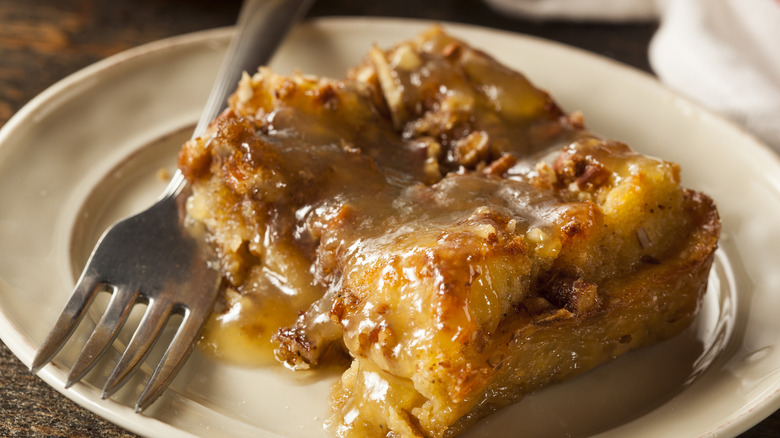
x=444, y=223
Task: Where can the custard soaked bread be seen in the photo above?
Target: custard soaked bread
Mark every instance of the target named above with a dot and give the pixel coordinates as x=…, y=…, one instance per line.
x=444, y=225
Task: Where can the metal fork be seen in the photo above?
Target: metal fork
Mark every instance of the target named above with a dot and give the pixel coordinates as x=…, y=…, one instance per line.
x=153, y=257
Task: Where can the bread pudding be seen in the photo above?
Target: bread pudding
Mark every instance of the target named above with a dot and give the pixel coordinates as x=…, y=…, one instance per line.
x=441, y=226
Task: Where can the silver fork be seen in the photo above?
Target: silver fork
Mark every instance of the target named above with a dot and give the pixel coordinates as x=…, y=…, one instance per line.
x=153, y=257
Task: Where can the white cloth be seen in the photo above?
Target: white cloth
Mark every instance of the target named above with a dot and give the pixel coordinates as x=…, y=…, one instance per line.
x=579, y=10
x=725, y=54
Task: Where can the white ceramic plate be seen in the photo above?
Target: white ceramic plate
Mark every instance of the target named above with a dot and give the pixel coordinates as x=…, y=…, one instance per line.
x=88, y=150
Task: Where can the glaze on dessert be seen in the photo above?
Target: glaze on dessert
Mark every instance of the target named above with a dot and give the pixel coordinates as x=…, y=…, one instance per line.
x=442, y=225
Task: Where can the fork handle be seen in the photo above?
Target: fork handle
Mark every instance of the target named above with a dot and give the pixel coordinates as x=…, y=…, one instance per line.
x=261, y=27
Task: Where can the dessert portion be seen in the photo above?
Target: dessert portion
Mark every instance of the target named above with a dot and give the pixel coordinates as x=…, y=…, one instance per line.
x=442, y=226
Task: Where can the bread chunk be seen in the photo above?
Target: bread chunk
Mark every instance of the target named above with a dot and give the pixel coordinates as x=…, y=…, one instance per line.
x=442, y=225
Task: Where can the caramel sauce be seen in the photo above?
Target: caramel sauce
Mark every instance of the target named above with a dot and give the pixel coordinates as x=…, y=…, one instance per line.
x=322, y=171
x=443, y=223
x=242, y=335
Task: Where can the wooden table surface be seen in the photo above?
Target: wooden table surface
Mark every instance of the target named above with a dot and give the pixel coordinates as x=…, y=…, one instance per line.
x=43, y=41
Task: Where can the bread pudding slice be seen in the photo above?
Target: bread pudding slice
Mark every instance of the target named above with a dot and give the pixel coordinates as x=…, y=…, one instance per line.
x=441, y=223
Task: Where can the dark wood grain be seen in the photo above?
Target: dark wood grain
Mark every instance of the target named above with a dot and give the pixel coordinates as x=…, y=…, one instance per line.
x=41, y=42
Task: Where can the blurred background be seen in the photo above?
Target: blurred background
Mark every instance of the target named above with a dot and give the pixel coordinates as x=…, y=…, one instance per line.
x=45, y=40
